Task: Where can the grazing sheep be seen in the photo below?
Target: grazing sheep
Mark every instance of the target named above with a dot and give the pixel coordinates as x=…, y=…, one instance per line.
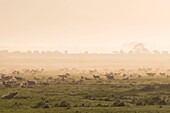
x=109, y=76
x=45, y=83
x=151, y=74
x=19, y=78
x=64, y=77
x=87, y=78
x=3, y=77
x=126, y=78
x=10, y=84
x=16, y=72
x=31, y=83
x=162, y=74
x=96, y=77
x=92, y=71
x=10, y=96
x=7, y=85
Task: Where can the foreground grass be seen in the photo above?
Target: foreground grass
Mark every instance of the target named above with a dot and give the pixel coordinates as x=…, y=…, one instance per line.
x=146, y=109
x=132, y=96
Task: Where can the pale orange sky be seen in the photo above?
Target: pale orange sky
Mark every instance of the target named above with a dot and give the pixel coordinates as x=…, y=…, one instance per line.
x=79, y=25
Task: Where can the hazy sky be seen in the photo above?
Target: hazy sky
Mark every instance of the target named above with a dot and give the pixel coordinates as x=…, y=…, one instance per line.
x=79, y=25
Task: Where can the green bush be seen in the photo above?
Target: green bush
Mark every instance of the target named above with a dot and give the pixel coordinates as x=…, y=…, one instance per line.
x=63, y=104
x=118, y=103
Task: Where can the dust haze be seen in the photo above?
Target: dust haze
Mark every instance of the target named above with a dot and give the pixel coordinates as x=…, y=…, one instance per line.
x=84, y=56
x=138, y=56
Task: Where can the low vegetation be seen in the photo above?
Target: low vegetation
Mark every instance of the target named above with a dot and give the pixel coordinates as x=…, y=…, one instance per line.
x=142, y=95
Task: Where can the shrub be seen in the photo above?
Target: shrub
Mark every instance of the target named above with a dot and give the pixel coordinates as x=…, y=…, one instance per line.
x=64, y=104
x=119, y=103
x=156, y=100
x=39, y=105
x=42, y=104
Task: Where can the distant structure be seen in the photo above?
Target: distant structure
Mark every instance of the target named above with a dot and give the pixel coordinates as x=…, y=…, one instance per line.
x=140, y=49
x=137, y=48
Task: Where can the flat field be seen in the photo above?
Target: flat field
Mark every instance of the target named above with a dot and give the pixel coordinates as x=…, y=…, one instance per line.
x=92, y=96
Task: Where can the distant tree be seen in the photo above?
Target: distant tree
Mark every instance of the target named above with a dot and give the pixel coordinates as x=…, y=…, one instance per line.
x=156, y=52
x=29, y=52
x=86, y=52
x=49, y=52
x=36, y=52
x=121, y=52
x=165, y=52
x=57, y=52
x=16, y=53
x=115, y=52
x=65, y=52
x=4, y=52
x=130, y=52
x=43, y=52
x=140, y=49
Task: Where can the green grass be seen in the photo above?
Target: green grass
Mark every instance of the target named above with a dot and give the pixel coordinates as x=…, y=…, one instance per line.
x=91, y=97
x=146, y=109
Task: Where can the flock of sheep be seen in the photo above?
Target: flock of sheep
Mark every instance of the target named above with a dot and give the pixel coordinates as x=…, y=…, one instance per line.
x=18, y=78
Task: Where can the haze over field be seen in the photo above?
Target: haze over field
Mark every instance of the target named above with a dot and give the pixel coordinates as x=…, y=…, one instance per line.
x=84, y=56
x=84, y=25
